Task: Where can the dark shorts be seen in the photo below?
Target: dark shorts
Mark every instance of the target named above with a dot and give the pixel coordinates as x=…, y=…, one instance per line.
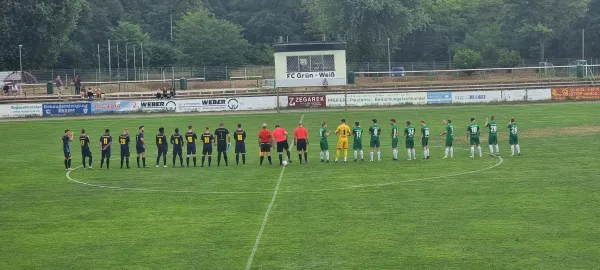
x=265, y=147
x=425, y=142
x=221, y=146
x=240, y=148
x=283, y=145
x=178, y=151
x=125, y=152
x=474, y=141
x=449, y=142
x=191, y=149
x=375, y=143
x=162, y=151
x=207, y=150
x=410, y=144
x=86, y=152
x=67, y=153
x=106, y=153
x=140, y=149
x=493, y=140
x=513, y=140
x=301, y=145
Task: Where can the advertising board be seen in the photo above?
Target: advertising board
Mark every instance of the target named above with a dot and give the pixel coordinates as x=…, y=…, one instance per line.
x=307, y=101
x=439, y=97
x=66, y=109
x=20, y=110
x=476, y=96
x=380, y=99
x=576, y=93
x=119, y=106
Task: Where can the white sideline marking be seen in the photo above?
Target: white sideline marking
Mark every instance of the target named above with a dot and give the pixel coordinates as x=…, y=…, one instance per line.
x=264, y=223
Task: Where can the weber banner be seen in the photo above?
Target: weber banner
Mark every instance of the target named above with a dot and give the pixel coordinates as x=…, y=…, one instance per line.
x=476, y=97
x=157, y=106
x=310, y=101
x=227, y=104
x=20, y=110
x=66, y=109
x=381, y=99
x=119, y=106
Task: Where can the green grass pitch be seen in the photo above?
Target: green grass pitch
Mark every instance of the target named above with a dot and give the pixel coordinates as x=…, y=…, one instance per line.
x=537, y=211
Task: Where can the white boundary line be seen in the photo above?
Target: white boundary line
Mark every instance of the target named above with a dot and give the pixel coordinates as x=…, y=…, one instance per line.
x=264, y=223
x=68, y=175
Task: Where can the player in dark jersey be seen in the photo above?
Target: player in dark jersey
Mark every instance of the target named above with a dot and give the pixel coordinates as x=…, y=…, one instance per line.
x=239, y=136
x=105, y=143
x=177, y=142
x=163, y=147
x=124, y=142
x=140, y=147
x=223, y=143
x=84, y=140
x=67, y=137
x=207, y=143
x=191, y=138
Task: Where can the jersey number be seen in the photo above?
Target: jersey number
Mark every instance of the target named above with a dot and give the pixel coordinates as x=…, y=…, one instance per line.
x=176, y=140
x=105, y=140
x=159, y=140
x=473, y=130
x=376, y=132
x=493, y=129
x=411, y=132
x=513, y=130
x=123, y=141
x=190, y=139
x=240, y=137
x=207, y=140
x=82, y=142
x=427, y=133
x=358, y=134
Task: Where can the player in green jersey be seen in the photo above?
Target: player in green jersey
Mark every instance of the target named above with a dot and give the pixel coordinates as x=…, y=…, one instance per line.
x=473, y=132
x=394, y=138
x=375, y=132
x=323, y=134
x=449, y=138
x=493, y=137
x=425, y=139
x=357, y=131
x=513, y=138
x=409, y=132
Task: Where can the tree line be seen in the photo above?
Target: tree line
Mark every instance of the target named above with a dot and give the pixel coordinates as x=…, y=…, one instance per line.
x=66, y=33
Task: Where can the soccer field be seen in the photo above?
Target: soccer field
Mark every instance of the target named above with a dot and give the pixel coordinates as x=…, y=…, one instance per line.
x=539, y=210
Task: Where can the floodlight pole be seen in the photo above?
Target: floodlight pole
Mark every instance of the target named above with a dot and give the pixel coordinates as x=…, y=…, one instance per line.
x=109, y=64
x=582, y=44
x=389, y=58
x=21, y=61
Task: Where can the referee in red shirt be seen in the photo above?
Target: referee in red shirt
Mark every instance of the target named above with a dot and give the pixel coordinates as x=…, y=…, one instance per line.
x=301, y=142
x=280, y=137
x=264, y=141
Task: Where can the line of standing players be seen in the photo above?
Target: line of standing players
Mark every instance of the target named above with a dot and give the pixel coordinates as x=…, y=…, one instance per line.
x=221, y=139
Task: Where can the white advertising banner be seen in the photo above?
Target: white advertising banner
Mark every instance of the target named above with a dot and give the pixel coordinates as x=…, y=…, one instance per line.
x=476, y=97
x=20, y=110
x=227, y=104
x=380, y=99
x=527, y=95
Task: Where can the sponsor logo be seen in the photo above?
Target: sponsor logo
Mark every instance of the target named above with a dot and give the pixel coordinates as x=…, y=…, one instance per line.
x=159, y=105
x=439, y=97
x=576, y=93
x=66, y=109
x=214, y=102
x=307, y=101
x=233, y=104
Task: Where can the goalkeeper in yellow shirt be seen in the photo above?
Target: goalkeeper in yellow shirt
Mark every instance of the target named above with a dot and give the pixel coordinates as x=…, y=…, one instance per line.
x=343, y=131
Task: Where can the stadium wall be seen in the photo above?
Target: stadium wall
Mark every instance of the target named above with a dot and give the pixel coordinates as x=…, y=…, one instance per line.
x=262, y=103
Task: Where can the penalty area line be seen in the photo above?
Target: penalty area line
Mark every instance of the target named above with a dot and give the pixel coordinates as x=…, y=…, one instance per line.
x=266, y=217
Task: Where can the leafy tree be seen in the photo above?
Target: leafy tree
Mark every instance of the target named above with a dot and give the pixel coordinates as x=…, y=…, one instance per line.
x=128, y=32
x=366, y=24
x=509, y=59
x=41, y=26
x=203, y=39
x=160, y=54
x=467, y=59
